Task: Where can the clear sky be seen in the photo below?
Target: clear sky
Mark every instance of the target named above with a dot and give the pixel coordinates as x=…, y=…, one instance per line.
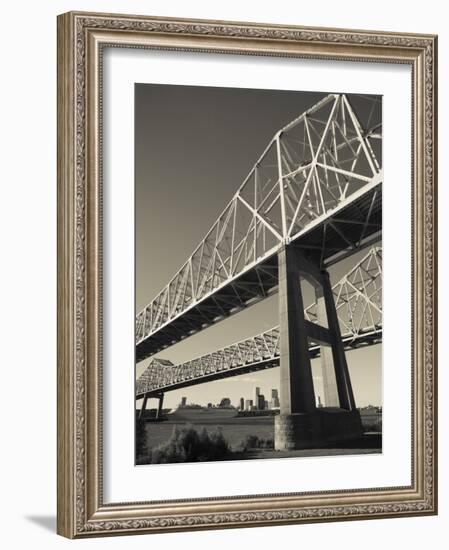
x=194, y=147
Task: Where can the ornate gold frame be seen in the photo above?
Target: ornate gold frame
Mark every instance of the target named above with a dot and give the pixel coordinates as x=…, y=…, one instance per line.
x=81, y=37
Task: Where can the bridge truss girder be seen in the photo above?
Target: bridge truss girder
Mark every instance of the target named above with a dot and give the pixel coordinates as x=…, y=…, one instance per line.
x=317, y=183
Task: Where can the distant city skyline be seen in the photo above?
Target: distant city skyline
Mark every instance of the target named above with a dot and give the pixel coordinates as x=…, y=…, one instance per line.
x=237, y=404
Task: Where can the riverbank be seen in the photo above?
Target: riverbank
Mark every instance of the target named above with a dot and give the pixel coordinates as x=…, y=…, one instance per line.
x=237, y=429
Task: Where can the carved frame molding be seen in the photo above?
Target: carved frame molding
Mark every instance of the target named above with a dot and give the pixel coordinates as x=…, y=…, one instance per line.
x=81, y=38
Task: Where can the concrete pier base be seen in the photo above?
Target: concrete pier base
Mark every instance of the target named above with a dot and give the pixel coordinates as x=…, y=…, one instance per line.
x=316, y=429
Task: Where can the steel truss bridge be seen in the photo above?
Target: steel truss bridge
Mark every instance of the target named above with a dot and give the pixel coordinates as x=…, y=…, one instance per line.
x=358, y=300
x=317, y=184
x=313, y=198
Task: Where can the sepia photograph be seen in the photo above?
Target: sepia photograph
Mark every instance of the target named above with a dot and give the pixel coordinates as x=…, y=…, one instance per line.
x=258, y=274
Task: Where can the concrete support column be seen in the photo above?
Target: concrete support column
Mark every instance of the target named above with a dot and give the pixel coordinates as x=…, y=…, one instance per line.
x=144, y=407
x=296, y=383
x=300, y=423
x=159, y=409
x=344, y=387
x=331, y=398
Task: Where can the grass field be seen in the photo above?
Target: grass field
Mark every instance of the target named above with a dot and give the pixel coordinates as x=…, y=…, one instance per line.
x=234, y=429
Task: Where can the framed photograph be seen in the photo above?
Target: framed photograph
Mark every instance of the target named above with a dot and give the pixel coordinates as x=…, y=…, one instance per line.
x=246, y=274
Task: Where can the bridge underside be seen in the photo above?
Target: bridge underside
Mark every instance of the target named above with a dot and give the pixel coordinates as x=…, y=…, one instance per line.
x=364, y=340
x=345, y=231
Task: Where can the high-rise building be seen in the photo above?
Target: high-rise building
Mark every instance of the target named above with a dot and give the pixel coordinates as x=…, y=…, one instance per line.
x=249, y=404
x=242, y=404
x=275, y=404
x=266, y=405
x=260, y=404
x=256, y=400
x=183, y=401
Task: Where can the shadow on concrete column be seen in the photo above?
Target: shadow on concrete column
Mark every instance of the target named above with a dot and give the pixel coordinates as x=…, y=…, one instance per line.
x=330, y=392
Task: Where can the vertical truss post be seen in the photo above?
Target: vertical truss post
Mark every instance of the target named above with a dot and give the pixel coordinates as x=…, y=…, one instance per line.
x=281, y=185
x=362, y=140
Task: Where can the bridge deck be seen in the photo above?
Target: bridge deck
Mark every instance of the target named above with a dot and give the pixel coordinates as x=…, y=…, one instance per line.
x=339, y=235
x=184, y=375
